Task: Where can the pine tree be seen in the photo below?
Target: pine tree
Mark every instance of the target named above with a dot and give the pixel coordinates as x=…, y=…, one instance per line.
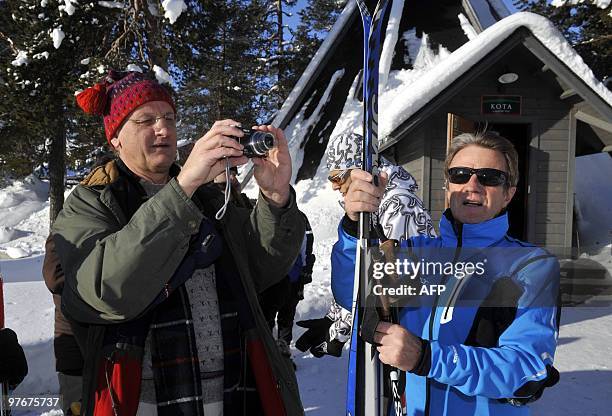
x=586, y=27
x=224, y=79
x=43, y=45
x=316, y=20
x=48, y=53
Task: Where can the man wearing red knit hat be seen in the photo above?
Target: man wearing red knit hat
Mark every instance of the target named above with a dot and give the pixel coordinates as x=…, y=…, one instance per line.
x=164, y=274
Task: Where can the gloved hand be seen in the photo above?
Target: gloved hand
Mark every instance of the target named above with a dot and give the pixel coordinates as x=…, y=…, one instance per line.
x=300, y=291
x=305, y=278
x=13, y=364
x=317, y=338
x=326, y=335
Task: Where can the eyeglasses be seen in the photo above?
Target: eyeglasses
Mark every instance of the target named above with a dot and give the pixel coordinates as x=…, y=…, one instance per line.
x=151, y=120
x=486, y=176
x=340, y=177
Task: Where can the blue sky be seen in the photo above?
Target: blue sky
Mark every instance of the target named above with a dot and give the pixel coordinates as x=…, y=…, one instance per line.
x=294, y=20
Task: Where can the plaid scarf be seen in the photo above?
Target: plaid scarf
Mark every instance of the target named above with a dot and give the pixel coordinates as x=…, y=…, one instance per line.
x=174, y=355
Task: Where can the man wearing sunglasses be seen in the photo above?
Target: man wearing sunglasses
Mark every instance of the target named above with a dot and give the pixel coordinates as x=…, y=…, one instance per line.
x=489, y=354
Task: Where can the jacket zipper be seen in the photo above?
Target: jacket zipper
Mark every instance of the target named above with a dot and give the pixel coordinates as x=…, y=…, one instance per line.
x=432, y=316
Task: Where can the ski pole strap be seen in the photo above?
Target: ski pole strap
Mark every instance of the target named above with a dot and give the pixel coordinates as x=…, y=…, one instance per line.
x=370, y=320
x=423, y=364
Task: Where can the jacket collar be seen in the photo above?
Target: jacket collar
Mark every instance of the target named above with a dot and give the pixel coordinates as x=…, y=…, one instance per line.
x=483, y=234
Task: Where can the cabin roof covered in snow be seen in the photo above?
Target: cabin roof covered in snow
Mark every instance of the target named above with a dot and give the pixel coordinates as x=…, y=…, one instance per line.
x=411, y=97
x=481, y=14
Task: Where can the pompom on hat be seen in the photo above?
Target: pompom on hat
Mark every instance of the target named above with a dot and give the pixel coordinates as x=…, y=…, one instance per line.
x=117, y=95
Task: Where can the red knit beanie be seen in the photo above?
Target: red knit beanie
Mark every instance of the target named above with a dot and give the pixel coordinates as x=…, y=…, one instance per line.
x=117, y=95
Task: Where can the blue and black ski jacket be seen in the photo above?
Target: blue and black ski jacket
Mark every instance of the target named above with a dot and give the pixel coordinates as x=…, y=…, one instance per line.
x=489, y=341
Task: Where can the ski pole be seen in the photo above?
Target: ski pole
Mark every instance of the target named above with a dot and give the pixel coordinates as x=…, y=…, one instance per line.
x=4, y=394
x=364, y=392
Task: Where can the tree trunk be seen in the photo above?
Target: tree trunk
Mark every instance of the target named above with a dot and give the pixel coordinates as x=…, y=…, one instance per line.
x=57, y=169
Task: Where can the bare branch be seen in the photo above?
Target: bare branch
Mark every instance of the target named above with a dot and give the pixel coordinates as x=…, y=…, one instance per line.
x=599, y=39
x=10, y=42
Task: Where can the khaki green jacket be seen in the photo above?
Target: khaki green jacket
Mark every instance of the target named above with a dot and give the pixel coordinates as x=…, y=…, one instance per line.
x=118, y=253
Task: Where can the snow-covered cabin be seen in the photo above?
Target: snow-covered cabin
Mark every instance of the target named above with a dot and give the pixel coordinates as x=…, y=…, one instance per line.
x=453, y=66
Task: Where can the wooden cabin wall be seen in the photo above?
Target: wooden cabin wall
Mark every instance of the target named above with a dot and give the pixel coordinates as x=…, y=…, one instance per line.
x=551, y=152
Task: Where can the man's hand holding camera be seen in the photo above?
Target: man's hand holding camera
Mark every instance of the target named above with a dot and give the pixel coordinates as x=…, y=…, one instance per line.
x=208, y=156
x=221, y=143
x=273, y=173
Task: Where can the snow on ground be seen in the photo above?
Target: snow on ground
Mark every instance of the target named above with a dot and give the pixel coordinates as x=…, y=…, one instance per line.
x=584, y=355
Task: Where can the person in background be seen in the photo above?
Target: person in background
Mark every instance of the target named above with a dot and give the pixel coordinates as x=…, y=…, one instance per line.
x=68, y=354
x=13, y=363
x=401, y=215
x=279, y=303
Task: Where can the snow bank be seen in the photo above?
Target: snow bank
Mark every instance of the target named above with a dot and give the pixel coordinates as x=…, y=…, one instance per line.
x=593, y=203
x=24, y=217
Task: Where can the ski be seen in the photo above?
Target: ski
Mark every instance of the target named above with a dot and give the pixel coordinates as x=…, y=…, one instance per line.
x=365, y=378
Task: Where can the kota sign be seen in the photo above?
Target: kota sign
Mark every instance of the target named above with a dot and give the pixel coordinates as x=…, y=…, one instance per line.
x=501, y=104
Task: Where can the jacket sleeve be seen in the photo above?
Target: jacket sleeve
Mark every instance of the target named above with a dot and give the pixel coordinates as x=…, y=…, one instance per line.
x=343, y=268
x=518, y=365
x=274, y=237
x=118, y=270
x=309, y=256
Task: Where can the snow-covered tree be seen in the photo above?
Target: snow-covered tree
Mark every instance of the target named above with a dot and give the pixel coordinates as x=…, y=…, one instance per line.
x=49, y=51
x=316, y=20
x=587, y=25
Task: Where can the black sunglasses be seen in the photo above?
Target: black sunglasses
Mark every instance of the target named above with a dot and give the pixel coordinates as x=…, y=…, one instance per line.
x=486, y=176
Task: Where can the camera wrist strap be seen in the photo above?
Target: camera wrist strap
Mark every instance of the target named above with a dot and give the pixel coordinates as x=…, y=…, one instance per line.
x=228, y=189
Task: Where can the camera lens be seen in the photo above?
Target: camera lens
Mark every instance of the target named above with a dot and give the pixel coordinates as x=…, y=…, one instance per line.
x=257, y=143
x=262, y=142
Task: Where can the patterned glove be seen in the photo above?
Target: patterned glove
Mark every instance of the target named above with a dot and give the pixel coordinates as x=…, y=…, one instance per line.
x=326, y=335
